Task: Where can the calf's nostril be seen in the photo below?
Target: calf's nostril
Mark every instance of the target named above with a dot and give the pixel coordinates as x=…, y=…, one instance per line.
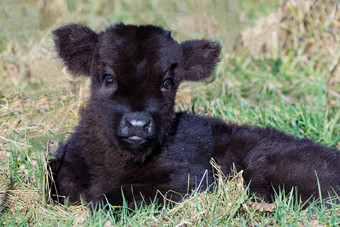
x=128, y=123
x=147, y=124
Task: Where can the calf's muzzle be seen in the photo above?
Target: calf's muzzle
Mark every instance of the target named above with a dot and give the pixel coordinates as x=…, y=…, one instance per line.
x=136, y=129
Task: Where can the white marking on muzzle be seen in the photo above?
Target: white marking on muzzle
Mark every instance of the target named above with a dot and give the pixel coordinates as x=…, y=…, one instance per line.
x=137, y=123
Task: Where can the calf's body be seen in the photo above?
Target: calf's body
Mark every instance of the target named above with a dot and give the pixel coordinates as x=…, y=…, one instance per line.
x=130, y=139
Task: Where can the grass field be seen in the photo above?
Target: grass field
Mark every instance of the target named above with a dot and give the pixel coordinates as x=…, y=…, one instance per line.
x=279, y=68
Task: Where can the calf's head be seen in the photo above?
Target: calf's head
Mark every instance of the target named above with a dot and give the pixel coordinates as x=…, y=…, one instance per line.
x=135, y=72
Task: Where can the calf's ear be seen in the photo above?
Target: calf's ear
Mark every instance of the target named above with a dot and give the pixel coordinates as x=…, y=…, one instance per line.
x=200, y=58
x=75, y=44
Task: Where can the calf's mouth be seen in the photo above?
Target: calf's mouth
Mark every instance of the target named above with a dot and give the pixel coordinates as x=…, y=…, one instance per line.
x=136, y=143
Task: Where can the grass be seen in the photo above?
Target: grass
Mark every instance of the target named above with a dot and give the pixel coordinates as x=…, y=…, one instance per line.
x=279, y=68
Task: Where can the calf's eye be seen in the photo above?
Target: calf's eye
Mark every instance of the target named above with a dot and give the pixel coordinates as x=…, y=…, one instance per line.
x=108, y=79
x=168, y=83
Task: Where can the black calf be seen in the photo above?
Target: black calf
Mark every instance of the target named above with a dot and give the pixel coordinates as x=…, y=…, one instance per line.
x=130, y=136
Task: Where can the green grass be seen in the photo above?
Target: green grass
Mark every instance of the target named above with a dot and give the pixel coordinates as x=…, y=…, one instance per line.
x=295, y=90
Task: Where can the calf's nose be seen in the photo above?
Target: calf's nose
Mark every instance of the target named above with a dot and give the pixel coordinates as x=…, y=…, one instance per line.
x=136, y=126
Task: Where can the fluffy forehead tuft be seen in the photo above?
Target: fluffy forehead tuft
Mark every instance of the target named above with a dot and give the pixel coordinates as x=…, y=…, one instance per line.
x=138, y=52
x=133, y=46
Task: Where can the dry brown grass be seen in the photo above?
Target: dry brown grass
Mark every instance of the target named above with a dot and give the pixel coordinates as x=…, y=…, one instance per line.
x=306, y=31
x=229, y=197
